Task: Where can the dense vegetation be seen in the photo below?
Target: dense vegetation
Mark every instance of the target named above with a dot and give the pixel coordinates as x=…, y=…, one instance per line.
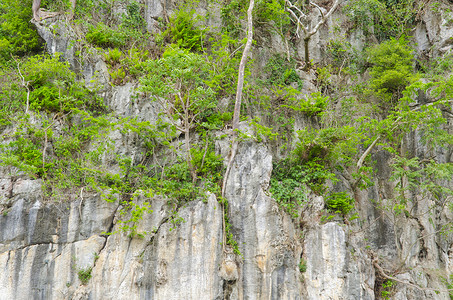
x=57, y=129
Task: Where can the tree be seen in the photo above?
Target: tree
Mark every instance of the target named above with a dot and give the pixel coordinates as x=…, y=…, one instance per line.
x=177, y=82
x=299, y=17
x=240, y=85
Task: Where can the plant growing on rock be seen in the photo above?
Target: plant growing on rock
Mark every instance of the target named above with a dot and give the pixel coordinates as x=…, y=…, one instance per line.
x=391, y=69
x=177, y=82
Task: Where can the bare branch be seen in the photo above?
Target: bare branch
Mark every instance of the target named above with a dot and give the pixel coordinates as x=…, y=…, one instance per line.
x=319, y=8
x=324, y=18
x=367, y=151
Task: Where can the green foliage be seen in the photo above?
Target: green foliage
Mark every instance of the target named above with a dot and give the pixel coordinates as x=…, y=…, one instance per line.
x=281, y=72
x=207, y=163
x=17, y=34
x=180, y=77
x=105, y=36
x=216, y=121
x=302, y=265
x=117, y=76
x=391, y=69
x=340, y=203
x=312, y=106
x=231, y=13
x=262, y=132
x=133, y=19
x=333, y=146
x=288, y=181
x=267, y=14
x=85, y=275
x=287, y=186
x=449, y=284
x=113, y=56
x=132, y=213
x=272, y=14
x=183, y=31
x=345, y=57
x=224, y=59
x=383, y=19
x=387, y=289
x=125, y=66
x=230, y=240
x=53, y=87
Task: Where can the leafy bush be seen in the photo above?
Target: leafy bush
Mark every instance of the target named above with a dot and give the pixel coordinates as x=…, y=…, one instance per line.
x=181, y=77
x=313, y=105
x=391, y=69
x=345, y=57
x=53, y=86
x=113, y=56
x=281, y=72
x=288, y=181
x=207, y=162
x=383, y=18
x=340, y=203
x=105, y=36
x=287, y=187
x=332, y=146
x=85, y=275
x=182, y=30
x=267, y=14
x=133, y=18
x=17, y=35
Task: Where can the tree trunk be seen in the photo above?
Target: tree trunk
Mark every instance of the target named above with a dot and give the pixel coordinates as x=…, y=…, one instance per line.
x=307, y=54
x=240, y=85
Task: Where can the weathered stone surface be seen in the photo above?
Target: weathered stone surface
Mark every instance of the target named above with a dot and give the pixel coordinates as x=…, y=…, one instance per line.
x=59, y=38
x=266, y=240
x=333, y=272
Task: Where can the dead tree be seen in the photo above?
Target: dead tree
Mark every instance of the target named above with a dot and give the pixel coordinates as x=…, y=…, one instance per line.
x=300, y=18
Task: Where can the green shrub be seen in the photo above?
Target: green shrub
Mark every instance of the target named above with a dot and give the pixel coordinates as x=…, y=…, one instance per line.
x=330, y=145
x=391, y=69
x=105, y=36
x=40, y=70
x=133, y=19
x=113, y=56
x=53, y=86
x=302, y=265
x=267, y=14
x=216, y=121
x=340, y=203
x=383, y=19
x=17, y=35
x=281, y=72
x=182, y=30
x=313, y=105
x=288, y=182
x=85, y=275
x=208, y=163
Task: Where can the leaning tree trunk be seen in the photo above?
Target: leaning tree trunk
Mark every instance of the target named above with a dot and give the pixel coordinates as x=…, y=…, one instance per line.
x=240, y=86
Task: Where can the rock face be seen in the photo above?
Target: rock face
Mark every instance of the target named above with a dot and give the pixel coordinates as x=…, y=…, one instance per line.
x=269, y=267
x=67, y=250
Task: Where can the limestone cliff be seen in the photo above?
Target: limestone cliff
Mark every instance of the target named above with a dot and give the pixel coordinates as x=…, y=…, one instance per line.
x=66, y=249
